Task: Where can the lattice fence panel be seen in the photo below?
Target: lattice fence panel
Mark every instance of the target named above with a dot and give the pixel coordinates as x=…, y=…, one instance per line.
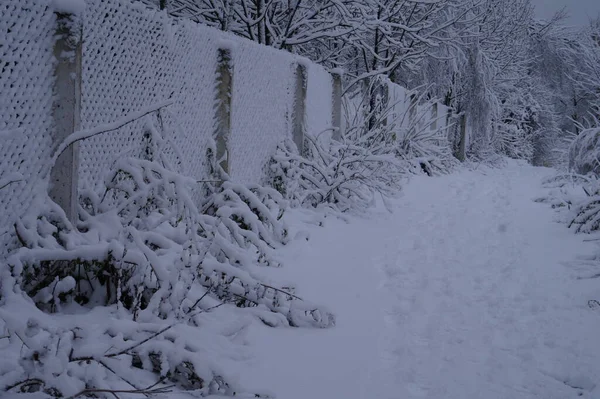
x=133, y=57
x=26, y=80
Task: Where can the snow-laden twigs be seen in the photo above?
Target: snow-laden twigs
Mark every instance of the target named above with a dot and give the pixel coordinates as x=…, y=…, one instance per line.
x=579, y=190
x=145, y=392
x=584, y=153
x=578, y=197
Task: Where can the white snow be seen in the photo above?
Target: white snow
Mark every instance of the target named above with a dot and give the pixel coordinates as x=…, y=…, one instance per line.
x=468, y=290
x=74, y=7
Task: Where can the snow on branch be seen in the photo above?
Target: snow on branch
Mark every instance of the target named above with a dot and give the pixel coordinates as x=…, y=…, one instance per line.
x=86, y=134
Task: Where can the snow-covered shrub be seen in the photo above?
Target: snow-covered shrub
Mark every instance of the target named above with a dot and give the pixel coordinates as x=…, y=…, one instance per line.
x=564, y=190
x=344, y=175
x=402, y=127
x=521, y=123
x=584, y=152
x=148, y=259
x=578, y=198
x=425, y=149
x=584, y=161
x=144, y=250
x=252, y=216
x=516, y=142
x=93, y=353
x=587, y=209
x=86, y=348
x=376, y=151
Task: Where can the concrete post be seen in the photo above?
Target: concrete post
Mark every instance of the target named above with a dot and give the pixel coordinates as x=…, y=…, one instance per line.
x=434, y=116
x=384, y=90
x=412, y=113
x=448, y=121
x=299, y=112
x=336, y=116
x=462, y=149
x=366, y=101
x=223, y=107
x=67, y=113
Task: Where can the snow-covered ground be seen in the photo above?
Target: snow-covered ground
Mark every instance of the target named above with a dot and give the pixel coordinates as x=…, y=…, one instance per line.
x=468, y=290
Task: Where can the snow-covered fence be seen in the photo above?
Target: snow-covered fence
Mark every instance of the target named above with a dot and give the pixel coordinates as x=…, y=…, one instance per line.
x=66, y=68
x=409, y=112
x=415, y=114
x=119, y=59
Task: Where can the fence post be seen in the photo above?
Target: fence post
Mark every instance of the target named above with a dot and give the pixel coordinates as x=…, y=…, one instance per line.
x=448, y=119
x=336, y=116
x=299, y=112
x=223, y=107
x=66, y=113
x=462, y=149
x=384, y=102
x=412, y=113
x=365, y=87
x=434, y=116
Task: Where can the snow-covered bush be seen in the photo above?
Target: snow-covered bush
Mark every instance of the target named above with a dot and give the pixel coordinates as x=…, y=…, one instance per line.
x=87, y=309
x=344, y=175
x=587, y=209
x=564, y=190
x=516, y=142
x=147, y=259
x=423, y=148
x=405, y=126
x=584, y=152
x=376, y=151
x=579, y=190
x=578, y=199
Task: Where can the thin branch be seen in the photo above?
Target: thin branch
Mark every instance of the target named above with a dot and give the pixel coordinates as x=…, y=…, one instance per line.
x=153, y=391
x=86, y=134
x=10, y=179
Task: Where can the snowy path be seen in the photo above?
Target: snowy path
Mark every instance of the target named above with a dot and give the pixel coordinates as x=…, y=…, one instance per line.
x=467, y=291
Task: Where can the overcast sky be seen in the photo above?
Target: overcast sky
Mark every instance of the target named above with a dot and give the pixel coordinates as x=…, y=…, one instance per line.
x=580, y=10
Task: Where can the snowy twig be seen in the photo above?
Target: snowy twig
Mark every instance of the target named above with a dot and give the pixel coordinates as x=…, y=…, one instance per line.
x=198, y=300
x=86, y=134
x=156, y=334
x=153, y=391
x=282, y=291
x=28, y=381
x=10, y=179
